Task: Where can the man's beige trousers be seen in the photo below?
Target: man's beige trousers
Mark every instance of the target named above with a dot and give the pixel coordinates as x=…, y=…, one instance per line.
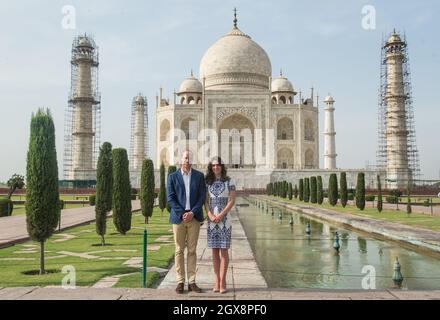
x=186, y=235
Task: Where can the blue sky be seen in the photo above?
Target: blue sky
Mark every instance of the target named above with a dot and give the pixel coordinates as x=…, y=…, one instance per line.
x=145, y=44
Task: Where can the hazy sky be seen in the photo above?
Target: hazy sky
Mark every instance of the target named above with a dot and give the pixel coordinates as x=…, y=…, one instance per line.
x=145, y=44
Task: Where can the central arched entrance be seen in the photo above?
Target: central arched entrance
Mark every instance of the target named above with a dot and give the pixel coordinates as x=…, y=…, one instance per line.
x=236, y=141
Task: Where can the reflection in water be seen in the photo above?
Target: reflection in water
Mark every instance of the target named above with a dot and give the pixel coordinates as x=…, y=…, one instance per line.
x=290, y=258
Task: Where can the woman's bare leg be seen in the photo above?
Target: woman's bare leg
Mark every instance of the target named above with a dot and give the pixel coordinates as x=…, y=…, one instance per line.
x=223, y=268
x=216, y=263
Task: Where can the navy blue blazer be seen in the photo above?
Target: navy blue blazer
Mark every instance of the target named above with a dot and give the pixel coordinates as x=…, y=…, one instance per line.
x=177, y=197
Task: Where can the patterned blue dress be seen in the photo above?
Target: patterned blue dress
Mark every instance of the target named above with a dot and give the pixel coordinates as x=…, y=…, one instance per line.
x=219, y=234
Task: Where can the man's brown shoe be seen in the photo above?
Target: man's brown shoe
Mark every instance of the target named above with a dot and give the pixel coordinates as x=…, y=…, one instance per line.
x=194, y=287
x=180, y=287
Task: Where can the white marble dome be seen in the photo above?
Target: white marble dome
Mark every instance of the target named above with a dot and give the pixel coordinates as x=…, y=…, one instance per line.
x=329, y=99
x=235, y=60
x=191, y=84
x=282, y=84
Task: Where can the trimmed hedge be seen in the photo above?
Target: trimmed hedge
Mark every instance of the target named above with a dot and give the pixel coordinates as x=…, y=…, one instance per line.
x=392, y=199
x=370, y=197
x=344, y=192
x=92, y=199
x=333, y=190
x=306, y=189
x=313, y=190
x=6, y=207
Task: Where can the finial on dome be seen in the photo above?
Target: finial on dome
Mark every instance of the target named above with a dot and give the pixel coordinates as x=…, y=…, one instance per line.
x=192, y=75
x=235, y=18
x=281, y=72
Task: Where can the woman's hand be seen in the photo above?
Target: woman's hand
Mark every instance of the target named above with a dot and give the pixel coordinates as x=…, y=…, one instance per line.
x=220, y=217
x=211, y=216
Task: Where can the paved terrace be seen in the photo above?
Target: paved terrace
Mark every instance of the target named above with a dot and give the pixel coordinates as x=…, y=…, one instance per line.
x=245, y=282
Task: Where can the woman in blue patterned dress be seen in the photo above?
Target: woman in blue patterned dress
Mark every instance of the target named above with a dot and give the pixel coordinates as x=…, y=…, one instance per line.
x=220, y=198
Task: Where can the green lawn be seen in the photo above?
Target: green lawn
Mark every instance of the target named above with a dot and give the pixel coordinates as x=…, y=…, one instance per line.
x=19, y=208
x=106, y=261
x=414, y=219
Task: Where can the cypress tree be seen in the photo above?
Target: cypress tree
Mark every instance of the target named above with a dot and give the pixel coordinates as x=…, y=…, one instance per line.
x=295, y=192
x=162, y=191
x=379, y=195
x=42, y=195
x=290, y=191
x=306, y=190
x=344, y=192
x=360, y=191
x=104, y=185
x=147, y=189
x=121, y=191
x=301, y=189
x=408, y=205
x=171, y=169
x=319, y=190
x=333, y=189
x=313, y=190
x=285, y=189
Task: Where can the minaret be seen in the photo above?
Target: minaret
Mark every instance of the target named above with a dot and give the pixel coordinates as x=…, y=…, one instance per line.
x=396, y=130
x=139, y=134
x=329, y=135
x=83, y=111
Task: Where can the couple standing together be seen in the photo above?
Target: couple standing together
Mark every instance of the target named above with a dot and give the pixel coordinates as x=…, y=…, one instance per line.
x=188, y=191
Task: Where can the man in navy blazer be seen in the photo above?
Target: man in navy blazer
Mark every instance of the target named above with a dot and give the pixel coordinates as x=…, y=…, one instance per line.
x=186, y=196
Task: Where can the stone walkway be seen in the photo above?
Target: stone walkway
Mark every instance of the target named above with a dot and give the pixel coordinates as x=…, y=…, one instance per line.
x=13, y=229
x=243, y=272
x=36, y=293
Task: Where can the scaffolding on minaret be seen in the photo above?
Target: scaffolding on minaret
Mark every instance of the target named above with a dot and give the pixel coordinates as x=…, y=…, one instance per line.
x=82, y=119
x=384, y=147
x=139, y=142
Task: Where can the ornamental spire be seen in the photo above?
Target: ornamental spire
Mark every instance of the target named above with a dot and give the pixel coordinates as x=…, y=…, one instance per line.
x=235, y=18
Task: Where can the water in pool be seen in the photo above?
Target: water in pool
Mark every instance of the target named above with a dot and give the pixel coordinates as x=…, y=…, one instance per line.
x=289, y=258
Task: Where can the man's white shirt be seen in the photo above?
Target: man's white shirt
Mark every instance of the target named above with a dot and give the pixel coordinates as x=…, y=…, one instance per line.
x=187, y=181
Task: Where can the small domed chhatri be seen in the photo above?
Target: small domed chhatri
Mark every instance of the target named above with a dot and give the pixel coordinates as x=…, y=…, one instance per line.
x=191, y=85
x=139, y=99
x=281, y=84
x=84, y=41
x=282, y=90
x=394, y=38
x=329, y=99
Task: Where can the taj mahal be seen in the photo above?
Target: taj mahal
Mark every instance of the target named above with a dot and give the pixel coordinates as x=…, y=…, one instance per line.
x=237, y=94
x=263, y=128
